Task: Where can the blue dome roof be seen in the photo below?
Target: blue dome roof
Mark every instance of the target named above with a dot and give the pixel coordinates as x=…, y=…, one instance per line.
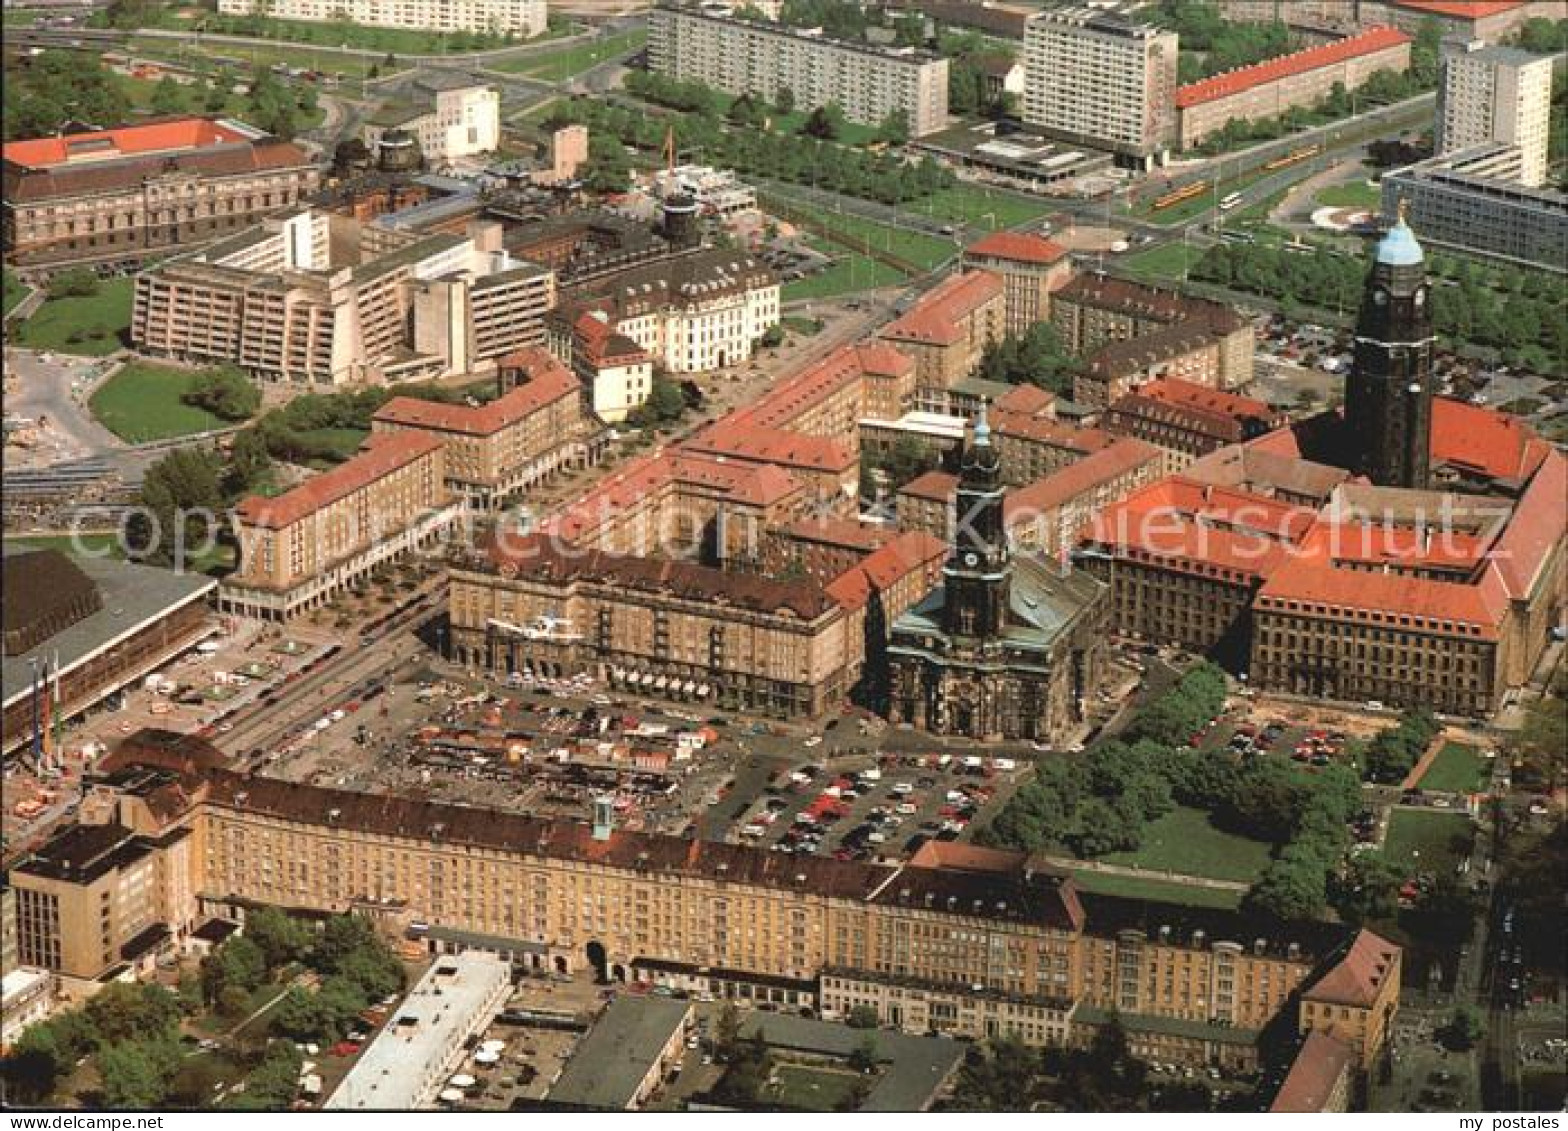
x=1399, y=248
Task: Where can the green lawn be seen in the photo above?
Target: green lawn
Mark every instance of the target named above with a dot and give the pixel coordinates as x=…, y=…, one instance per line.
x=15, y=291
x=849, y=273
x=1164, y=263
x=1458, y=768
x=988, y=207
x=1428, y=840
x=202, y=56
x=91, y=326
x=814, y=1089
x=857, y=233
x=573, y=60
x=142, y=402
x=86, y=543
x=1355, y=194
x=1158, y=891
x=1184, y=841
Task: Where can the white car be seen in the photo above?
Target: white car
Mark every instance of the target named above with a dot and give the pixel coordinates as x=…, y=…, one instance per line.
x=814, y=740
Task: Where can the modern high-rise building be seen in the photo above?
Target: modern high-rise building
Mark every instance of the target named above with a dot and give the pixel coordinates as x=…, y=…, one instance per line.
x=517, y=17
x=1098, y=78
x=1472, y=200
x=710, y=44
x=1499, y=94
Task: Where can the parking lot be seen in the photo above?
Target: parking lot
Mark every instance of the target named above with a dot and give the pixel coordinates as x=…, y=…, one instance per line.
x=864, y=808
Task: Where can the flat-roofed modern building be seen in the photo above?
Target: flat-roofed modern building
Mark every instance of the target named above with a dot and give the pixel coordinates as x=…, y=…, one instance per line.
x=322, y=299
x=1098, y=78
x=100, y=624
x=517, y=17
x=426, y=1040
x=129, y=192
x=715, y=45
x=451, y=116
x=1474, y=201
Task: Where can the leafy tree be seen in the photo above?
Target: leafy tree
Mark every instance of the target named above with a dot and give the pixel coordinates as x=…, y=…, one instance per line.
x=825, y=122
x=1293, y=887
x=863, y=1017
x=280, y=937
x=894, y=128
x=169, y=97
x=665, y=404
x=136, y=1074
x=183, y=499
x=249, y=462
x=124, y=1010
x=863, y=1057
x=607, y=168
x=726, y=1034
x=238, y=964
x=1366, y=889
x=1464, y=1029
x=272, y=1083
x=225, y=393
x=1038, y=357
x=74, y=282
x=784, y=100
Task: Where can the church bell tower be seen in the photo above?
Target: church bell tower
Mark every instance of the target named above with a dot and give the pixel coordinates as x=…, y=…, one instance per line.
x=1388, y=401
x=978, y=573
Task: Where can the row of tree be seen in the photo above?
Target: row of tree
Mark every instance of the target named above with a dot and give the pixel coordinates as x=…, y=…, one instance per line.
x=1393, y=752
x=1526, y=328
x=57, y=87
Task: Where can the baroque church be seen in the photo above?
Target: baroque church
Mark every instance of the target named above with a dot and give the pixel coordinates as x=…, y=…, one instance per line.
x=1006, y=647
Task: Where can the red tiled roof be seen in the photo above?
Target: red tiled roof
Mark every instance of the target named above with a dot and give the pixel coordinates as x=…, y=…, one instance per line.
x=1315, y=1075
x=911, y=551
x=1469, y=436
x=1535, y=527
x=1021, y=246
x=774, y=446
x=758, y=485
x=1029, y=400
x=1272, y=70
x=173, y=135
x=1079, y=476
x=785, y=402
x=1174, y=390
x=548, y=385
x=546, y=559
x=1049, y=430
x=601, y=344
x=381, y=454
x=1464, y=9
x=936, y=316
x=1358, y=976
x=846, y=532
x=939, y=486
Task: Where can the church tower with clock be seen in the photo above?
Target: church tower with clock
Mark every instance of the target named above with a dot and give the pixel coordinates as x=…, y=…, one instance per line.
x=1388, y=400
x=1008, y=646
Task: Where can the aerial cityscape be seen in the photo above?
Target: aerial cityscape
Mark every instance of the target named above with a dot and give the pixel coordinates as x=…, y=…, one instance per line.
x=791, y=556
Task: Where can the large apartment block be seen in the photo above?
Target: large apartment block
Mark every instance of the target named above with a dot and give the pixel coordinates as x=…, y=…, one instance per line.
x=713, y=45
x=1300, y=79
x=521, y=438
x=959, y=939
x=322, y=299
x=125, y=193
x=514, y=17
x=1097, y=78
x=300, y=549
x=1496, y=94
